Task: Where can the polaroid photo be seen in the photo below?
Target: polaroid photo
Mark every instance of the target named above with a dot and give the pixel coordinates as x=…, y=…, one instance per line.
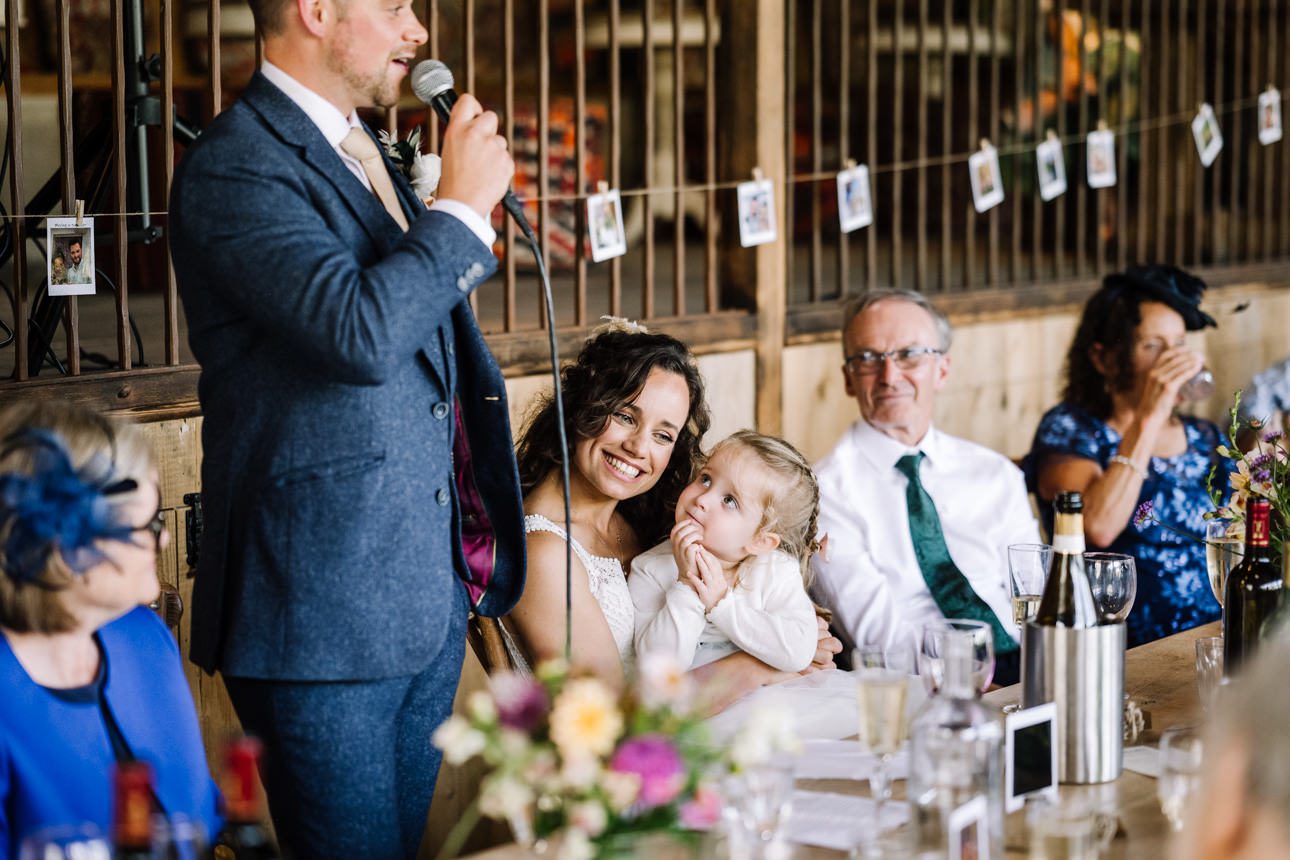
x=1208, y=136
x=1051, y=162
x=70, y=246
x=1030, y=755
x=756, y=212
x=987, y=183
x=855, y=198
x=968, y=830
x=1101, y=158
x=605, y=225
x=1269, y=116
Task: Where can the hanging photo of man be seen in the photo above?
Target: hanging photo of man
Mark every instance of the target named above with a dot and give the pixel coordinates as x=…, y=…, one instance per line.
x=70, y=269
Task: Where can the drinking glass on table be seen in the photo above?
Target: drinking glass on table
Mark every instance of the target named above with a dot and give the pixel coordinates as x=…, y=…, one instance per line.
x=1113, y=577
x=931, y=657
x=68, y=842
x=882, y=689
x=760, y=797
x=1209, y=669
x=1224, y=549
x=1181, y=754
x=1028, y=565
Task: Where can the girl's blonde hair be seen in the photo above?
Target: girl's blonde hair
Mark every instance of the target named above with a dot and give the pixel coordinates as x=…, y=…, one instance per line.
x=792, y=503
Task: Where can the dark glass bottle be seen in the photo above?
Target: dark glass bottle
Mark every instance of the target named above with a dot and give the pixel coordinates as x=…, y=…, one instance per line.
x=1253, y=592
x=132, y=811
x=244, y=836
x=1067, y=600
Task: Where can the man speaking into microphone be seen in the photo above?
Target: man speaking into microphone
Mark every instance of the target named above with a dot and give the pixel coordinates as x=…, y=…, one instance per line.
x=358, y=482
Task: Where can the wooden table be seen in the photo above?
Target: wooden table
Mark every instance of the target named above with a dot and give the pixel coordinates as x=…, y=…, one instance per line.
x=1160, y=677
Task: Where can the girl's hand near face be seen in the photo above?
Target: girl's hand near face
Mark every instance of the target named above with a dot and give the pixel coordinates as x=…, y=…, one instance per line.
x=707, y=579
x=686, y=536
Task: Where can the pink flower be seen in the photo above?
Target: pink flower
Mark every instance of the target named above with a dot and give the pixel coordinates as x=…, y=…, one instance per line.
x=521, y=702
x=657, y=763
x=703, y=810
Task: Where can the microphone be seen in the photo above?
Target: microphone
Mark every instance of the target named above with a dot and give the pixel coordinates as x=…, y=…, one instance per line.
x=432, y=83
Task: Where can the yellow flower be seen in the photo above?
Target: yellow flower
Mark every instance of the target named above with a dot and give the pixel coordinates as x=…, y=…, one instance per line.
x=585, y=719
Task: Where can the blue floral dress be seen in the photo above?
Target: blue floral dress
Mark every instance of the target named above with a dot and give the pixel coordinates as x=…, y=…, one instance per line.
x=1173, y=588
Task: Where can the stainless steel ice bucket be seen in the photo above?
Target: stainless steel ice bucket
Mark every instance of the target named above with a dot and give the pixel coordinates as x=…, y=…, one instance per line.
x=1082, y=670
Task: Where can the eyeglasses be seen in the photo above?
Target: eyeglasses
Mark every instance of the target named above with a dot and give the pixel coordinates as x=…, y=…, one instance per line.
x=867, y=362
x=155, y=527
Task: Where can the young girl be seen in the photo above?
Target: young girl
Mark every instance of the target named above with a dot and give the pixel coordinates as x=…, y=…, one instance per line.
x=733, y=576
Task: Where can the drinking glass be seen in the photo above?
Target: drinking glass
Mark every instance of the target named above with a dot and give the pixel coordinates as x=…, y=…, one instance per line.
x=1181, y=754
x=83, y=842
x=1114, y=580
x=1223, y=551
x=177, y=838
x=931, y=657
x=1198, y=387
x=1028, y=565
x=881, y=690
x=1209, y=669
x=761, y=797
x=1069, y=829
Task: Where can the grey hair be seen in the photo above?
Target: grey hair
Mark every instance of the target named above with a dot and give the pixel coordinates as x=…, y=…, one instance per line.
x=861, y=303
x=1252, y=713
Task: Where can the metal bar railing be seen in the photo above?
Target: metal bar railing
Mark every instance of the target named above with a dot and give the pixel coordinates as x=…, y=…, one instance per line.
x=67, y=161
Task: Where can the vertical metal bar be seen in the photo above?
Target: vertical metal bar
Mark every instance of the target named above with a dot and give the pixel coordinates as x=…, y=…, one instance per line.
x=1219, y=248
x=509, y=313
x=710, y=261
x=992, y=261
x=898, y=149
x=17, y=196
x=1103, y=195
x=120, y=199
x=1018, y=41
x=647, y=156
x=678, y=158
x=946, y=240
x=920, y=187
x=216, y=89
x=171, y=299
x=817, y=144
x=1082, y=189
x=67, y=160
x=580, y=170
x=844, y=127
x=1059, y=217
x=1186, y=104
x=1202, y=94
x=1041, y=132
x=871, y=136
x=1269, y=164
x=1161, y=166
x=544, y=141
x=615, y=145
x=790, y=127
x=1239, y=187
x=969, y=231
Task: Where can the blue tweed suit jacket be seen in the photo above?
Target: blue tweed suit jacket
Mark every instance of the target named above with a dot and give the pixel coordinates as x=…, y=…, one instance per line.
x=334, y=348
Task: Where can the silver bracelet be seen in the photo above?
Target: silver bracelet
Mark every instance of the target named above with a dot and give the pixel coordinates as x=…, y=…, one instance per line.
x=1125, y=461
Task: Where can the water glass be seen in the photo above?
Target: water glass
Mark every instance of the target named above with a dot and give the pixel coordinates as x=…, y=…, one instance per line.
x=1209, y=669
x=177, y=838
x=761, y=798
x=1199, y=387
x=1114, y=580
x=83, y=842
x=931, y=658
x=1069, y=829
x=1028, y=566
x=1181, y=755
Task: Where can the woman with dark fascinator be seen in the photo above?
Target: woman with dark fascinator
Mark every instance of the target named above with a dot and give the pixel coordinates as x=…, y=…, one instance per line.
x=635, y=416
x=89, y=677
x=1119, y=438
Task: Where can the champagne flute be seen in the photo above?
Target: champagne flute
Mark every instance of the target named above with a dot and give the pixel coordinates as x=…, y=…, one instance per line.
x=1181, y=754
x=1223, y=551
x=1028, y=565
x=882, y=691
x=931, y=657
x=1114, y=580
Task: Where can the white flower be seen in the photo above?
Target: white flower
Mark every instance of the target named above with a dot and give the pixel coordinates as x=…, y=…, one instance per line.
x=426, y=167
x=459, y=741
x=580, y=771
x=589, y=817
x=663, y=681
x=576, y=845
x=504, y=797
x=620, y=788
x=768, y=731
x=481, y=707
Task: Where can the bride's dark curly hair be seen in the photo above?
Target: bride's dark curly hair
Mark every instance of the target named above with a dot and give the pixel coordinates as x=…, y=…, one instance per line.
x=610, y=371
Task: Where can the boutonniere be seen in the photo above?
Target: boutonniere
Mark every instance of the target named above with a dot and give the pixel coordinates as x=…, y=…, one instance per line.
x=419, y=168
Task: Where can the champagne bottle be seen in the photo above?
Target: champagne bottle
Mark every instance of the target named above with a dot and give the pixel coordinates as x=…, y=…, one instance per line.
x=244, y=836
x=1068, y=599
x=132, y=811
x=1254, y=590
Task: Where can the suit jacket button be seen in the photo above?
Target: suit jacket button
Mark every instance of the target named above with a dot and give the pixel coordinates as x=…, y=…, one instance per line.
x=475, y=270
x=463, y=285
x=440, y=410
x=442, y=498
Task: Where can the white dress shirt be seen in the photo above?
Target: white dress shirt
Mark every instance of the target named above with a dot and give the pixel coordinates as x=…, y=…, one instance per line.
x=768, y=614
x=334, y=125
x=871, y=578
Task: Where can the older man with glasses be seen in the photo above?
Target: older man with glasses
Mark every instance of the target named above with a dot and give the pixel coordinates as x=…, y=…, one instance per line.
x=918, y=521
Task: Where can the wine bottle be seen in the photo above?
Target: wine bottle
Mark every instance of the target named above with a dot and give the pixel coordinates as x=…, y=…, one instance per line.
x=132, y=811
x=244, y=835
x=1254, y=590
x=1067, y=600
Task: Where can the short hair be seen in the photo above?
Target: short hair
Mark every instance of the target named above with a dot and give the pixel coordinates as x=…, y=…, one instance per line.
x=610, y=371
x=36, y=606
x=75, y=240
x=1252, y=711
x=268, y=15
x=863, y=302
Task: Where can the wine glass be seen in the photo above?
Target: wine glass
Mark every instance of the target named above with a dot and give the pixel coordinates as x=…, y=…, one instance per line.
x=1223, y=551
x=1209, y=669
x=931, y=657
x=882, y=689
x=1114, y=580
x=1028, y=565
x=65, y=842
x=1181, y=755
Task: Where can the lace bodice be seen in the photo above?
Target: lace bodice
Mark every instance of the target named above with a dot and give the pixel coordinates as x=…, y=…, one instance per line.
x=608, y=586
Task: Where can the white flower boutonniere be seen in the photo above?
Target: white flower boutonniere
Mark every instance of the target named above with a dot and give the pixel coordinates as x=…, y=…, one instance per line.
x=420, y=168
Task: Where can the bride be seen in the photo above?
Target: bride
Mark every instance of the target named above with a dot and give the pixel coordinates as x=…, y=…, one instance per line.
x=635, y=415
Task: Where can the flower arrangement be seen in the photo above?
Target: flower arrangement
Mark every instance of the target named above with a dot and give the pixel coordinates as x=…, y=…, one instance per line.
x=420, y=168
x=568, y=757
x=1262, y=472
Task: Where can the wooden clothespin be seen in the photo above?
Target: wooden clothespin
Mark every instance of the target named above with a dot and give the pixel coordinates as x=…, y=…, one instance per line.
x=985, y=143
x=851, y=164
x=602, y=187
x=80, y=213
x=1052, y=135
x=757, y=174
x=1101, y=125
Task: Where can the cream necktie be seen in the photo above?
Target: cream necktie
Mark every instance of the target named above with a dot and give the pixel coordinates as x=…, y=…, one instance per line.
x=358, y=145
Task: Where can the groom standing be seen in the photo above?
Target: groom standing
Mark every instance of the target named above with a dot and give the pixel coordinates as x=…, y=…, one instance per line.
x=358, y=479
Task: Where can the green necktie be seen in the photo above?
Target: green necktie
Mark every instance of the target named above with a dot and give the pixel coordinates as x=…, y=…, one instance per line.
x=950, y=588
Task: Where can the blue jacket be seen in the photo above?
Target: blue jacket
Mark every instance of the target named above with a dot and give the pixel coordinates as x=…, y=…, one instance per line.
x=333, y=348
x=55, y=756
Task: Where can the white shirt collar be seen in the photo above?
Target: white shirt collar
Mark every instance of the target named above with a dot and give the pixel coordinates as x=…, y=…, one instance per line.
x=333, y=124
x=883, y=451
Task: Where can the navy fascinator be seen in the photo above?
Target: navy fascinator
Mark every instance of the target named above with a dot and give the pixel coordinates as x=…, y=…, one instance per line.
x=1168, y=285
